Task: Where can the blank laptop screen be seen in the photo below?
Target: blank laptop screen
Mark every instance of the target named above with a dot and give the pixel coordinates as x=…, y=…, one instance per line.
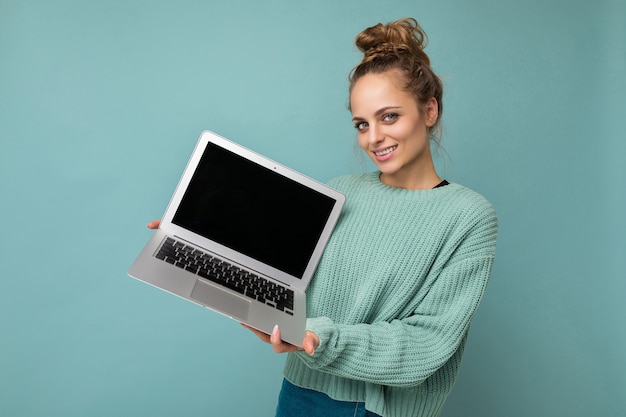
x=253, y=210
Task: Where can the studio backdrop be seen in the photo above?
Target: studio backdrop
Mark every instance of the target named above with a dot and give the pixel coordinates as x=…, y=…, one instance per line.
x=101, y=104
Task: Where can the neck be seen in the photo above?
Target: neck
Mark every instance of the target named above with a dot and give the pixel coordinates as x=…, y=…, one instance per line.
x=422, y=177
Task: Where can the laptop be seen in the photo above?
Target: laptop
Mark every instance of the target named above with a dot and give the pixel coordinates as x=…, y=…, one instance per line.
x=242, y=236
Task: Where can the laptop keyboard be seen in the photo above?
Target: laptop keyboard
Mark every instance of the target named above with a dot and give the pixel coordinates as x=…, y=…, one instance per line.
x=227, y=275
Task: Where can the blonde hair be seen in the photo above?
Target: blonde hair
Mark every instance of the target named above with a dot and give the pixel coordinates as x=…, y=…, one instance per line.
x=400, y=46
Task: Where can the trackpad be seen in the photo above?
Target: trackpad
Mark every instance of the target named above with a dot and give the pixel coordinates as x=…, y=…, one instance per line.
x=221, y=300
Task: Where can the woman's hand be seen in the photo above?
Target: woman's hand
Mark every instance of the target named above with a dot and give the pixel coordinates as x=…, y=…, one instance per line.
x=309, y=343
x=154, y=224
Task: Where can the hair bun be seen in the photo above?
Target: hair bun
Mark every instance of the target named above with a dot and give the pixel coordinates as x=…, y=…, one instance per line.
x=404, y=35
x=399, y=46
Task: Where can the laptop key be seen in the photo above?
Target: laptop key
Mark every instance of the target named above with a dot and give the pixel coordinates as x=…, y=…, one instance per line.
x=226, y=275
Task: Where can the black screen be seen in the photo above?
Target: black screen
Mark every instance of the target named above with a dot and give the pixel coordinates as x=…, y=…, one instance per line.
x=253, y=210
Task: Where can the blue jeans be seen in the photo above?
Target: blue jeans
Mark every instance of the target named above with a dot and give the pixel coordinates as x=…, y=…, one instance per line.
x=294, y=401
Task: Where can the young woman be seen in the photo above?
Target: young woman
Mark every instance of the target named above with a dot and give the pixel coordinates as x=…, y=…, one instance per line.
x=407, y=265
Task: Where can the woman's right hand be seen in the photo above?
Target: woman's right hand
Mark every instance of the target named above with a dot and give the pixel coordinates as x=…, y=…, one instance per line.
x=154, y=224
x=309, y=344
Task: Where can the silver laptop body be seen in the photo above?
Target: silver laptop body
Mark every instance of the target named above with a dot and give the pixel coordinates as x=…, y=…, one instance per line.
x=242, y=235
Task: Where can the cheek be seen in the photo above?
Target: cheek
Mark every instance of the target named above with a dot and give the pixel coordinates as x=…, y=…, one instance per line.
x=362, y=141
x=410, y=132
x=406, y=127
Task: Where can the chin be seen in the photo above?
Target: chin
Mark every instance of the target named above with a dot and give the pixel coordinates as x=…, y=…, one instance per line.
x=387, y=170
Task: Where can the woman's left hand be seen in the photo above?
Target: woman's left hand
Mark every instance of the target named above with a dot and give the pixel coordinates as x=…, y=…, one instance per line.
x=309, y=343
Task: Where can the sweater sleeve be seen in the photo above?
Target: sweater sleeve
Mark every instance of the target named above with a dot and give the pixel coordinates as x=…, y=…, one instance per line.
x=405, y=352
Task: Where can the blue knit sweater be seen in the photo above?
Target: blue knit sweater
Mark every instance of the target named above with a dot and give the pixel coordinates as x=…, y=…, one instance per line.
x=394, y=293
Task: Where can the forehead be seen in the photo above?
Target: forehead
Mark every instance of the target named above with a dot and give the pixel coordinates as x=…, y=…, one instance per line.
x=374, y=91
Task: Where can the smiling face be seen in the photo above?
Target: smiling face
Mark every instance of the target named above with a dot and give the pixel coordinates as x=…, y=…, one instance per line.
x=394, y=131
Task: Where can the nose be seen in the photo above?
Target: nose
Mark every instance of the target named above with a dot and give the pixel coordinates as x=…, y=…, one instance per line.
x=375, y=134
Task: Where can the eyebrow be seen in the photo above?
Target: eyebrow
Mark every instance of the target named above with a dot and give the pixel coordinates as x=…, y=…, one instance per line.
x=378, y=112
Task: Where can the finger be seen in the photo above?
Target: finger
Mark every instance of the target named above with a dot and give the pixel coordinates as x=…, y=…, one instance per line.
x=278, y=344
x=154, y=224
x=310, y=343
x=275, y=337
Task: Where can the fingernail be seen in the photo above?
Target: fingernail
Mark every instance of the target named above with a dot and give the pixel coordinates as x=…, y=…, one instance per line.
x=275, y=331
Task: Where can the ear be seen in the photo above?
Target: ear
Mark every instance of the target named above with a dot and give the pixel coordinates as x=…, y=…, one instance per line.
x=431, y=112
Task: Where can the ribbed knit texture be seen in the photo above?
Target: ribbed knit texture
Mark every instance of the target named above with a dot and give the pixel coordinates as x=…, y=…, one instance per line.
x=393, y=295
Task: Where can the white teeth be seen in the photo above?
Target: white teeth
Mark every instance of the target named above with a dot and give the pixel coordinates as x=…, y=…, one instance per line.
x=385, y=151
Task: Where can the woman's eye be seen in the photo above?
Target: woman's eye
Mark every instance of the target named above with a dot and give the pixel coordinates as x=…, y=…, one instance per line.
x=390, y=117
x=360, y=126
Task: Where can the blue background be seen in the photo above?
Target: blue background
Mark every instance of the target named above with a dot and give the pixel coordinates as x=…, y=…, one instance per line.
x=101, y=104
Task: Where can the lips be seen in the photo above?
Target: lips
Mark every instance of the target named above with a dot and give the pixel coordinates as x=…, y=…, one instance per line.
x=385, y=151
